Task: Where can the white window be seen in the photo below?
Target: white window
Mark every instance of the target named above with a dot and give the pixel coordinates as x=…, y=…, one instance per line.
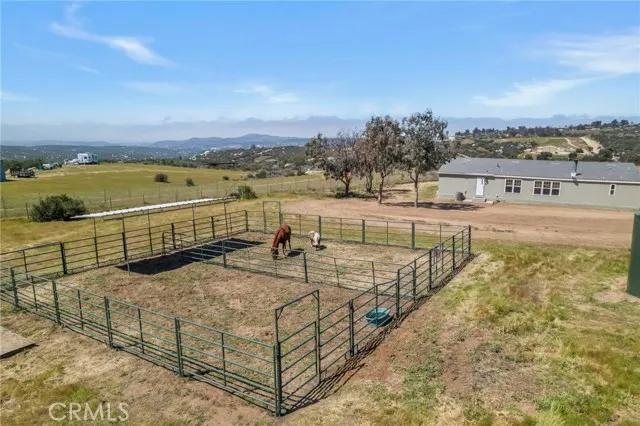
x=546, y=187
x=513, y=185
x=537, y=187
x=612, y=189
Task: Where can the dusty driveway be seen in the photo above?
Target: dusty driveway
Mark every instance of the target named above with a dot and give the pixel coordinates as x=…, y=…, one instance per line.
x=515, y=222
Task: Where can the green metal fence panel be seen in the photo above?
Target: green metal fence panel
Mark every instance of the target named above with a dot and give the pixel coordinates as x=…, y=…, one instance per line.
x=633, y=285
x=277, y=375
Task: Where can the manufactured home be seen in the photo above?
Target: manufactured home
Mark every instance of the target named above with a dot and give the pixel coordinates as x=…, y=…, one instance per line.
x=87, y=158
x=586, y=183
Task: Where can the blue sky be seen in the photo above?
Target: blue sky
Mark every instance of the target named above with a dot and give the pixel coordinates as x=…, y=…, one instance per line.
x=162, y=62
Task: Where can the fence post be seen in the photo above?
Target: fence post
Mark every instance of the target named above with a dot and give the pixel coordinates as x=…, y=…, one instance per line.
x=352, y=336
x=224, y=254
x=320, y=225
x=430, y=268
x=246, y=221
x=195, y=235
x=363, y=232
x=335, y=265
x=80, y=309
x=413, y=235
x=306, y=272
x=224, y=359
x=280, y=218
x=150, y=240
x=469, y=243
x=317, y=339
x=415, y=266
x=140, y=328
x=277, y=377
x=95, y=246
x=63, y=258
x=398, y=295
x=264, y=218
x=179, y=347
x=124, y=246
x=107, y=314
x=15, y=287
x=453, y=252
x=173, y=235
x=213, y=227
x=24, y=261
x=387, y=234
x=340, y=229
x=55, y=301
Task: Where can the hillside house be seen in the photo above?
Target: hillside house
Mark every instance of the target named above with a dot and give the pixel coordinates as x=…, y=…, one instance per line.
x=587, y=183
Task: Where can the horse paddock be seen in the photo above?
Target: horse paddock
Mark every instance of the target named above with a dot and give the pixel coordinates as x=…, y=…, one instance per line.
x=220, y=309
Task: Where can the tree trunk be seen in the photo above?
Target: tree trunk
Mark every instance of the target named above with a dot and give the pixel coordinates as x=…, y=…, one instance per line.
x=368, y=183
x=415, y=187
x=380, y=189
x=346, y=187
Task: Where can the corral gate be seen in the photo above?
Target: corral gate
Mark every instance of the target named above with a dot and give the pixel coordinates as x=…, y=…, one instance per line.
x=272, y=215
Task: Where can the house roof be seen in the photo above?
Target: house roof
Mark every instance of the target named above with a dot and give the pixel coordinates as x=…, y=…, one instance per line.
x=587, y=170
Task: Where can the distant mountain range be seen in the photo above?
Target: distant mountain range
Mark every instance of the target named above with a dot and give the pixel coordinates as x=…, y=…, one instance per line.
x=201, y=144
x=189, y=135
x=184, y=146
x=58, y=151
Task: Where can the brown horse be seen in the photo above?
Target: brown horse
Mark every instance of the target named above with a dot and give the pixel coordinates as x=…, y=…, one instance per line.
x=282, y=236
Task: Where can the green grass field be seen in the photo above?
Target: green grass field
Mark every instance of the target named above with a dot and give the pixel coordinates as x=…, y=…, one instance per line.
x=108, y=186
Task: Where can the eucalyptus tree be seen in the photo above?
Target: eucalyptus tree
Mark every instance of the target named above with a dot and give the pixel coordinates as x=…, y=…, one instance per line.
x=424, y=146
x=382, y=138
x=336, y=157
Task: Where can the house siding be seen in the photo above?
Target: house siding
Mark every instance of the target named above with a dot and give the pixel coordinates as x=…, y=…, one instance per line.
x=627, y=195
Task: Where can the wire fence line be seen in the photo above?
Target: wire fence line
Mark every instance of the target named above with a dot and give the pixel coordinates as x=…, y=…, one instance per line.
x=280, y=375
x=109, y=200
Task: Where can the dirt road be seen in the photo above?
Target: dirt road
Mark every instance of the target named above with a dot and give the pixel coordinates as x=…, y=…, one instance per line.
x=515, y=222
x=595, y=145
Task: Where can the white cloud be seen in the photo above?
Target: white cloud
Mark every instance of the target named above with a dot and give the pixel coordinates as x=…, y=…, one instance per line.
x=133, y=47
x=531, y=94
x=158, y=88
x=268, y=94
x=87, y=69
x=14, y=97
x=591, y=57
x=613, y=54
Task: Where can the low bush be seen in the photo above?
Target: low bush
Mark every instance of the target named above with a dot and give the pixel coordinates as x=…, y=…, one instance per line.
x=190, y=182
x=245, y=192
x=57, y=207
x=261, y=174
x=225, y=177
x=460, y=196
x=161, y=177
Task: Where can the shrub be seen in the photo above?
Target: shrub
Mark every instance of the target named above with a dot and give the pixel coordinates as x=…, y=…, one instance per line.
x=161, y=177
x=190, y=182
x=261, y=174
x=245, y=192
x=225, y=177
x=57, y=207
x=460, y=196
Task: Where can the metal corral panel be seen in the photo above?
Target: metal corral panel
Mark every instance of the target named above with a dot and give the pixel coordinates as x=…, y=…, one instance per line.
x=633, y=286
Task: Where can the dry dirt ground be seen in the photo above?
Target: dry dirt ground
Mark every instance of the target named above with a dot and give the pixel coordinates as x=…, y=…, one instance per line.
x=233, y=300
x=503, y=221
